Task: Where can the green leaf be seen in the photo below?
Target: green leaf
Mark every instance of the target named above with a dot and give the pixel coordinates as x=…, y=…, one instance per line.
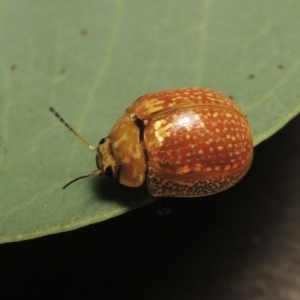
x=91, y=59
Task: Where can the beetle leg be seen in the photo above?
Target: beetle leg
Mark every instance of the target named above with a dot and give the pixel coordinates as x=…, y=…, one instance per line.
x=163, y=207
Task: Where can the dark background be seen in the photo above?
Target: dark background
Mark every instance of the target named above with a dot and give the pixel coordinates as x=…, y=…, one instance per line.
x=241, y=244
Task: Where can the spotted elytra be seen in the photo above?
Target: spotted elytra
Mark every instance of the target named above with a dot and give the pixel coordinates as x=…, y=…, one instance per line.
x=187, y=142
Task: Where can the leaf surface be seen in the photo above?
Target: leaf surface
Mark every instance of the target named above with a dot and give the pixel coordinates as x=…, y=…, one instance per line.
x=91, y=59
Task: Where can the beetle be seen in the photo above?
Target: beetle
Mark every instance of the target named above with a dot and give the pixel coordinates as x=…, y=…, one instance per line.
x=186, y=142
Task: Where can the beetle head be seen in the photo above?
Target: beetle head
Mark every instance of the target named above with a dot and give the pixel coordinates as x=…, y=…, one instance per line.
x=105, y=160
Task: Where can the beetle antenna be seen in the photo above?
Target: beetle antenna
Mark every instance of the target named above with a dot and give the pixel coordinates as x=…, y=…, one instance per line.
x=97, y=172
x=56, y=114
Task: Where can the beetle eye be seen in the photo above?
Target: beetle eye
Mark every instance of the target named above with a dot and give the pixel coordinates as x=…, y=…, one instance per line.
x=102, y=141
x=109, y=172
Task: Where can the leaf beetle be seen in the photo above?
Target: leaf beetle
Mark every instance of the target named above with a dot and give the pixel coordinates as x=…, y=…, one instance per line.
x=186, y=142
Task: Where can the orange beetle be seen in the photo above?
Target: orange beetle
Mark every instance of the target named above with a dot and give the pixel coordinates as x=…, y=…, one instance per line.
x=186, y=142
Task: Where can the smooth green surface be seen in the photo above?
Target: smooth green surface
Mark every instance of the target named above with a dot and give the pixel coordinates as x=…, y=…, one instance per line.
x=130, y=48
